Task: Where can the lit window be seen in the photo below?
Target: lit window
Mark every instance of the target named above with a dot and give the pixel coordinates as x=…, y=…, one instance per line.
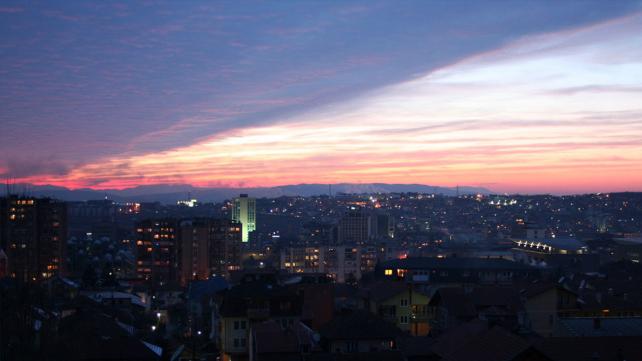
x=388, y=272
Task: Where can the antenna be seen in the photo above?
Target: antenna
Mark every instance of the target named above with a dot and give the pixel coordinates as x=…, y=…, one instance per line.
x=457, y=190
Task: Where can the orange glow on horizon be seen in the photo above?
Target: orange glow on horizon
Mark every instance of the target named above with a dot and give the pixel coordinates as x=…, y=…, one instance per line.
x=552, y=114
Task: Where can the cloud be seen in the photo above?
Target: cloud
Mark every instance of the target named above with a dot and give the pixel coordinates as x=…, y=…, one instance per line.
x=28, y=167
x=11, y=10
x=171, y=96
x=410, y=131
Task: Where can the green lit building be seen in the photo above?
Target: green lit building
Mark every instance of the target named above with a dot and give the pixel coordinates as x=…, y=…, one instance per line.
x=244, y=212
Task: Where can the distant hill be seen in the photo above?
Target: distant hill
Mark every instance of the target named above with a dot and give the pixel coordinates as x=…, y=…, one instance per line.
x=170, y=193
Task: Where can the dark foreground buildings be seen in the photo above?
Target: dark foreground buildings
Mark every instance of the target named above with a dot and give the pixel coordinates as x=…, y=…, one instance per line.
x=450, y=278
x=33, y=236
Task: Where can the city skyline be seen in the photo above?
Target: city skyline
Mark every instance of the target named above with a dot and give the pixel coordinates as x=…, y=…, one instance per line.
x=528, y=98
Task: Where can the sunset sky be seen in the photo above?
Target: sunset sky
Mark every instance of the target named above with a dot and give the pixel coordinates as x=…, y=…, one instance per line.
x=514, y=96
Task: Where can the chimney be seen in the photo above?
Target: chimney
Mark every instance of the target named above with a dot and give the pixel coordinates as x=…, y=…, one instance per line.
x=597, y=323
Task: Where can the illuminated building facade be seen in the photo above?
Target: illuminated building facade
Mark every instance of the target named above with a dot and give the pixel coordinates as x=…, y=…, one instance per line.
x=208, y=247
x=156, y=251
x=354, y=227
x=33, y=235
x=358, y=226
x=341, y=263
x=244, y=212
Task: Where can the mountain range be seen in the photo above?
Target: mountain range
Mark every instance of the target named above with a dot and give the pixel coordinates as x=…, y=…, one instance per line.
x=170, y=193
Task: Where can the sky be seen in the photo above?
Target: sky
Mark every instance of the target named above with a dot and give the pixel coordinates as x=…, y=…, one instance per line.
x=514, y=96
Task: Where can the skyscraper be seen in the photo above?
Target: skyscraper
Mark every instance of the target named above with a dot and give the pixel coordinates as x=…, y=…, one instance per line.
x=244, y=212
x=33, y=234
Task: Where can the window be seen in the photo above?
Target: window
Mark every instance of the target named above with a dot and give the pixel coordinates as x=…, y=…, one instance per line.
x=240, y=342
x=243, y=325
x=236, y=325
x=388, y=272
x=352, y=346
x=403, y=319
x=404, y=302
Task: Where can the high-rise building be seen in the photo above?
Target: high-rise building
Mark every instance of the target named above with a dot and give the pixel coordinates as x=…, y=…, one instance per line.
x=192, y=250
x=156, y=242
x=33, y=235
x=354, y=227
x=225, y=247
x=208, y=247
x=383, y=226
x=244, y=212
x=170, y=250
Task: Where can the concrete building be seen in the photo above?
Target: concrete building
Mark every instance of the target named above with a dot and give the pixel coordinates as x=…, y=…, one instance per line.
x=170, y=250
x=401, y=304
x=545, y=304
x=342, y=263
x=156, y=242
x=454, y=270
x=244, y=212
x=33, y=235
x=383, y=226
x=354, y=227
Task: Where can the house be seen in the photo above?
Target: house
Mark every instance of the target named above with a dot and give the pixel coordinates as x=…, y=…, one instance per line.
x=86, y=336
x=499, y=306
x=271, y=341
x=451, y=307
x=318, y=303
x=359, y=331
x=494, y=344
x=545, y=303
x=251, y=303
x=402, y=304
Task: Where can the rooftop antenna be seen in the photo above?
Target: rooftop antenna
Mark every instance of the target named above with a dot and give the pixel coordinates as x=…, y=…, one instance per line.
x=457, y=190
x=330, y=190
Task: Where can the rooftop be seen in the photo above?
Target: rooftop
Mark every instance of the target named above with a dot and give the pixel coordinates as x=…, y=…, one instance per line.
x=599, y=327
x=454, y=263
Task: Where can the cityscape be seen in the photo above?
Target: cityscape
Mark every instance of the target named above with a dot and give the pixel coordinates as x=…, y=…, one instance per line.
x=321, y=181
